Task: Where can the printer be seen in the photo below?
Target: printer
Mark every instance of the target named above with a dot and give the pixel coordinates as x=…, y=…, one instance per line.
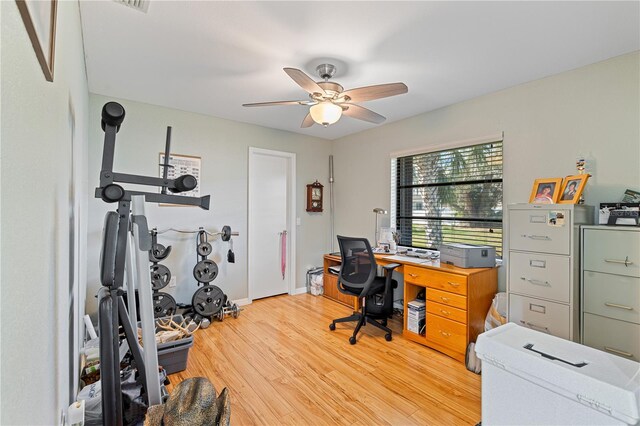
x=468, y=255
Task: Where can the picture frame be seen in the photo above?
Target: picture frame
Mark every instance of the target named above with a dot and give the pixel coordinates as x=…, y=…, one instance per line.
x=545, y=191
x=39, y=19
x=572, y=187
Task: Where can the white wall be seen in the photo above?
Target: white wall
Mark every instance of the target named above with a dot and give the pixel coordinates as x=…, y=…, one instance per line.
x=223, y=146
x=592, y=111
x=36, y=199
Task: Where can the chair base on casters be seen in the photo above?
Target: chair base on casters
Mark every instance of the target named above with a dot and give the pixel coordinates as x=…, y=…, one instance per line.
x=362, y=321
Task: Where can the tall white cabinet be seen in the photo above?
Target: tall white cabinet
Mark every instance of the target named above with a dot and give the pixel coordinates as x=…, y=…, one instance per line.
x=611, y=289
x=543, y=266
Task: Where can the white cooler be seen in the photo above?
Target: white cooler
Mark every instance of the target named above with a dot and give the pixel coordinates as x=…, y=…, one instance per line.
x=529, y=377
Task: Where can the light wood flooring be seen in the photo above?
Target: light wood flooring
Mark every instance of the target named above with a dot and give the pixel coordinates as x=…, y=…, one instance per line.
x=283, y=365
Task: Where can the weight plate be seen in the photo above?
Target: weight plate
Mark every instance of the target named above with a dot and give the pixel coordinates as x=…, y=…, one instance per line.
x=160, y=276
x=163, y=305
x=158, y=253
x=205, y=271
x=207, y=300
x=226, y=233
x=235, y=311
x=204, y=249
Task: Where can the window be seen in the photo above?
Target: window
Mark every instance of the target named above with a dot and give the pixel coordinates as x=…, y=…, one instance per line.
x=449, y=196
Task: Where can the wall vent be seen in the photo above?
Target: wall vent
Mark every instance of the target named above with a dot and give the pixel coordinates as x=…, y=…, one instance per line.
x=141, y=5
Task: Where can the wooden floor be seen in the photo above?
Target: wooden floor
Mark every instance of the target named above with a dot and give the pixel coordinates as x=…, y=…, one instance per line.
x=283, y=365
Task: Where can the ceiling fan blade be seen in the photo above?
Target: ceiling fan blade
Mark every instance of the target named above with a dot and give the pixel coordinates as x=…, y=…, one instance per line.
x=361, y=113
x=307, y=122
x=303, y=80
x=369, y=93
x=278, y=103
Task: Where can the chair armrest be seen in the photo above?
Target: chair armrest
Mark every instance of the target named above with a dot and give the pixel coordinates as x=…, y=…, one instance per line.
x=391, y=266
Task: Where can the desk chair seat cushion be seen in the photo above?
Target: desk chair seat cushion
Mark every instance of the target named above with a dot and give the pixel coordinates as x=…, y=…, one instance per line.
x=376, y=287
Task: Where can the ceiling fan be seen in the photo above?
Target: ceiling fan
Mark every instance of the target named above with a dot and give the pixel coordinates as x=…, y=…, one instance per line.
x=328, y=100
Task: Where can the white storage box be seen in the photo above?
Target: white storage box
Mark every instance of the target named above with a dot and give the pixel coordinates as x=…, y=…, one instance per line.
x=530, y=378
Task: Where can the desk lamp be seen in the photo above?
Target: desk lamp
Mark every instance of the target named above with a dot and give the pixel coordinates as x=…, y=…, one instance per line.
x=378, y=211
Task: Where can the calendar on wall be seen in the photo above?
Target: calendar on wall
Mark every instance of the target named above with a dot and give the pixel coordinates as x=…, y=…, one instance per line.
x=183, y=165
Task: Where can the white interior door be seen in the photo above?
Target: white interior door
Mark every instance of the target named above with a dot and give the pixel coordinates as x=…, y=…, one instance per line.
x=271, y=200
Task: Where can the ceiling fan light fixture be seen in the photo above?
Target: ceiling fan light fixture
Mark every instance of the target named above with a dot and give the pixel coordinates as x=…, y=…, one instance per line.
x=325, y=113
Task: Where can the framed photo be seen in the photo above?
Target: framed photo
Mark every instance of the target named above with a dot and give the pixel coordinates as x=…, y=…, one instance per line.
x=39, y=17
x=572, y=187
x=545, y=191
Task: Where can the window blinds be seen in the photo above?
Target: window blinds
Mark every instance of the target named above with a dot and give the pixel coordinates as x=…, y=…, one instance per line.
x=453, y=195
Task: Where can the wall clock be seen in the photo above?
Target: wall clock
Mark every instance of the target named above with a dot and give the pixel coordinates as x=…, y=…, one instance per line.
x=314, y=197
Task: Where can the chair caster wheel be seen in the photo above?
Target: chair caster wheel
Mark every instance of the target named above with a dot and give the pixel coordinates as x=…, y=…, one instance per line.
x=352, y=340
x=387, y=337
x=332, y=326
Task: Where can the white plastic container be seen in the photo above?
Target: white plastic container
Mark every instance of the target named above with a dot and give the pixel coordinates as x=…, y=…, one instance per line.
x=529, y=377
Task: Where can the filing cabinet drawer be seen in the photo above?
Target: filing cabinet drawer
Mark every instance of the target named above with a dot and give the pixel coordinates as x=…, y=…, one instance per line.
x=617, y=337
x=607, y=251
x=613, y=296
x=447, y=312
x=539, y=275
x=447, y=298
x=436, y=279
x=447, y=333
x=529, y=230
x=540, y=315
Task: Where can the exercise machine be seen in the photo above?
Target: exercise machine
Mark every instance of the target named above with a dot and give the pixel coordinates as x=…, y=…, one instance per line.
x=125, y=246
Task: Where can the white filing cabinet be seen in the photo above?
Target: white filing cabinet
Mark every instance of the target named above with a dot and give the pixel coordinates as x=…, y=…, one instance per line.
x=611, y=289
x=542, y=273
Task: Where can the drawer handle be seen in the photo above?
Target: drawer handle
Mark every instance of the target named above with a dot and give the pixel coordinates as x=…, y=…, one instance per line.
x=624, y=262
x=536, y=327
x=615, y=305
x=537, y=237
x=536, y=282
x=444, y=299
x=456, y=285
x=447, y=313
x=413, y=275
x=615, y=351
x=444, y=333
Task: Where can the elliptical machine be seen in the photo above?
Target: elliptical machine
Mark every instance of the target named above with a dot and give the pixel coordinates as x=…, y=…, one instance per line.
x=117, y=258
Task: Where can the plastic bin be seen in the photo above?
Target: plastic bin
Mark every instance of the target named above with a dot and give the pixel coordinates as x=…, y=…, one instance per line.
x=529, y=377
x=173, y=356
x=315, y=284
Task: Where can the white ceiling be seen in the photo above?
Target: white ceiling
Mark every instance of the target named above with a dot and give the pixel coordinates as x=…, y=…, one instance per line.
x=211, y=57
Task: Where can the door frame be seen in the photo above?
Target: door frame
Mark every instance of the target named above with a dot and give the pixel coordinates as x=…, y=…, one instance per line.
x=291, y=215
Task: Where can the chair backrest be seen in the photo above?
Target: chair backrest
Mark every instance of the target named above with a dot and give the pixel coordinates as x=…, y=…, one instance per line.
x=358, y=264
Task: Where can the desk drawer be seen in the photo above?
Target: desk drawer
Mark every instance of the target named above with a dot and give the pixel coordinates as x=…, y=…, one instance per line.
x=540, y=315
x=447, y=298
x=447, y=312
x=613, y=336
x=447, y=333
x=540, y=275
x=613, y=296
x=529, y=231
x=607, y=250
x=436, y=279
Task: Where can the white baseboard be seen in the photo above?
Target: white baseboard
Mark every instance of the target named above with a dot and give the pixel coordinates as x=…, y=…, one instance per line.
x=242, y=302
x=299, y=290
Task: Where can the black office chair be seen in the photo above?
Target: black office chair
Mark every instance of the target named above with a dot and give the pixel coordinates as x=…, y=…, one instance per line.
x=358, y=278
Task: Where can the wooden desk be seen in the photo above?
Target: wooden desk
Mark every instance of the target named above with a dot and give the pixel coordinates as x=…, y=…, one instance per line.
x=457, y=301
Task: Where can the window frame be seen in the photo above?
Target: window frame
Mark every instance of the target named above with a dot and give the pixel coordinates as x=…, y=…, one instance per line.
x=395, y=189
